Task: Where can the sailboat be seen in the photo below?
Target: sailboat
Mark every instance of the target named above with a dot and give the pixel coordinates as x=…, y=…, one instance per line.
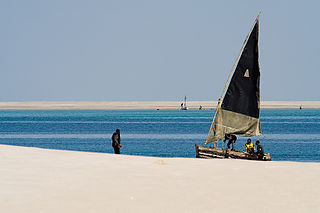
x=184, y=105
x=238, y=109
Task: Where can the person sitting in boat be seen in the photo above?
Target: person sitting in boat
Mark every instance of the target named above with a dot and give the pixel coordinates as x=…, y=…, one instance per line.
x=260, y=151
x=232, y=140
x=249, y=147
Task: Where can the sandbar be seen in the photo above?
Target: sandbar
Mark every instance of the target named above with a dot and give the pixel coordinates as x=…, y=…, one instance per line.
x=136, y=105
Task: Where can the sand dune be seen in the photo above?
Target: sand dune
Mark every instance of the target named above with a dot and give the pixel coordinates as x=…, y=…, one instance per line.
x=148, y=105
x=39, y=180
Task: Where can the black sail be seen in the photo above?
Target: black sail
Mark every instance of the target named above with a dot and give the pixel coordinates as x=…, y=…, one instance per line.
x=239, y=112
x=243, y=93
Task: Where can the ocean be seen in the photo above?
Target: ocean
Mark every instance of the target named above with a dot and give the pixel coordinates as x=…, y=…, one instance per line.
x=288, y=134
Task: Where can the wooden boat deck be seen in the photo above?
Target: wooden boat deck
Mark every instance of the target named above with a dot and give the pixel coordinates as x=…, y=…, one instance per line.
x=207, y=152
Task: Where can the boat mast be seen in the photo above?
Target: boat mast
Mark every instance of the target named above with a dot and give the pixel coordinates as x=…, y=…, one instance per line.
x=231, y=72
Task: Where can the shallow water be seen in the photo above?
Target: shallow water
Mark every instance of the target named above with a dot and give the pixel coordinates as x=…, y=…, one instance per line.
x=290, y=135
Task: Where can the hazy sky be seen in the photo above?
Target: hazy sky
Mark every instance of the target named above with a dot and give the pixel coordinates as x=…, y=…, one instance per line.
x=153, y=50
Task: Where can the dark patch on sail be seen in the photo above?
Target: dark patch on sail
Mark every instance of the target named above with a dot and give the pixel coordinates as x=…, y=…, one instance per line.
x=243, y=94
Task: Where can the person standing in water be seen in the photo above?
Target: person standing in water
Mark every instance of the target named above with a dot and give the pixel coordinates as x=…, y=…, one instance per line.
x=116, y=141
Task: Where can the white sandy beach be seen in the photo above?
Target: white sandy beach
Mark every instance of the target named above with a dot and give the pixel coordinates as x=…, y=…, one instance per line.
x=40, y=180
x=146, y=105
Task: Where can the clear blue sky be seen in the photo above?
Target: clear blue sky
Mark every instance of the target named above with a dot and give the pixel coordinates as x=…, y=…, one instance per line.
x=74, y=50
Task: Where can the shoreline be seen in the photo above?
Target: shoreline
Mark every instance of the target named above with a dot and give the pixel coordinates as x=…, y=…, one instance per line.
x=43, y=180
x=143, y=105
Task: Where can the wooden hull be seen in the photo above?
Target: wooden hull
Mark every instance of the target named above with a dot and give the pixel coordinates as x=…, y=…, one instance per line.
x=207, y=152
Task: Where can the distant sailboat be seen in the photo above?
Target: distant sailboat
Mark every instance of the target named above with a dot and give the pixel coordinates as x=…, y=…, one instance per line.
x=239, y=111
x=184, y=105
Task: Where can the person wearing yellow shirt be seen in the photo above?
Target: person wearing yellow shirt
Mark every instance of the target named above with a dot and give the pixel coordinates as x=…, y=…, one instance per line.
x=250, y=147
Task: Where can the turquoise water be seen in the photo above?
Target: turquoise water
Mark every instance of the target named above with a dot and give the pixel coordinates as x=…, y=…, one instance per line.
x=288, y=135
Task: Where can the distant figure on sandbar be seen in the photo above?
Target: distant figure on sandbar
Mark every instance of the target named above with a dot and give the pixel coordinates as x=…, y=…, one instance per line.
x=249, y=147
x=232, y=140
x=260, y=151
x=116, y=141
